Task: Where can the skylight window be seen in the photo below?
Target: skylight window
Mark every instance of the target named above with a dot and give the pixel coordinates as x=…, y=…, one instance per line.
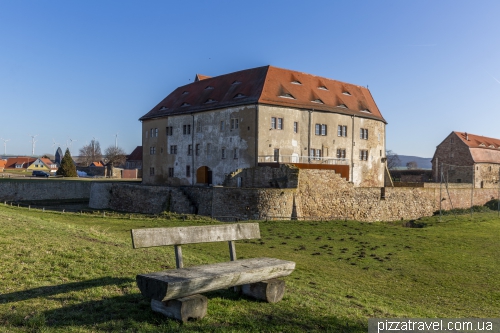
x=346, y=93
x=322, y=88
x=287, y=96
x=342, y=106
x=296, y=82
x=239, y=95
x=186, y=104
x=210, y=100
x=317, y=101
x=185, y=92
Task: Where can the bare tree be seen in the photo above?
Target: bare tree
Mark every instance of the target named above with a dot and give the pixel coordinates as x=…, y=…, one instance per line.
x=412, y=165
x=90, y=153
x=393, y=160
x=115, y=155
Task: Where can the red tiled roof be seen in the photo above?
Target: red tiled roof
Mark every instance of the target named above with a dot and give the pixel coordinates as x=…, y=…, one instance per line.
x=477, y=141
x=11, y=162
x=136, y=155
x=2, y=163
x=48, y=162
x=200, y=77
x=97, y=164
x=269, y=85
x=482, y=148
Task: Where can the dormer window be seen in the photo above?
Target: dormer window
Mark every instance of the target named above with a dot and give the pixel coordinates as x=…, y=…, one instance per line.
x=296, y=82
x=185, y=92
x=209, y=87
x=163, y=107
x=346, y=93
x=236, y=82
x=322, y=88
x=366, y=111
x=482, y=145
x=491, y=146
x=287, y=96
x=210, y=100
x=342, y=106
x=317, y=101
x=239, y=95
x=186, y=104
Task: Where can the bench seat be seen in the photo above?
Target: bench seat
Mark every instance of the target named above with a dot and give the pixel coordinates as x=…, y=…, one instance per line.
x=181, y=282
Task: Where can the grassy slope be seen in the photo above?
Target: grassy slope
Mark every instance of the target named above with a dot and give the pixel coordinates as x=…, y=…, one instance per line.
x=70, y=273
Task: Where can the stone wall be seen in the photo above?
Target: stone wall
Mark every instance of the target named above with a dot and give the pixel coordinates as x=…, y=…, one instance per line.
x=283, y=176
x=319, y=194
x=42, y=189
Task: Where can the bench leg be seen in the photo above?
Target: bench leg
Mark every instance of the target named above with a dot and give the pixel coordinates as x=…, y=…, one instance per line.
x=182, y=309
x=271, y=291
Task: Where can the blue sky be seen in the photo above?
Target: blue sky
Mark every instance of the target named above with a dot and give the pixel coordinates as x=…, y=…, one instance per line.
x=89, y=69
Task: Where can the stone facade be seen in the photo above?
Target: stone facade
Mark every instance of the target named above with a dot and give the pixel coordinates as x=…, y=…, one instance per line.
x=467, y=158
x=207, y=130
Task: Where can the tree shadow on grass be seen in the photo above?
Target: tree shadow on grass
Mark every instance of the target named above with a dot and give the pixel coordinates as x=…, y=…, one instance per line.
x=133, y=311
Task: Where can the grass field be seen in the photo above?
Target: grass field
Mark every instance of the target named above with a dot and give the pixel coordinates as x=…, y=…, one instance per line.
x=71, y=273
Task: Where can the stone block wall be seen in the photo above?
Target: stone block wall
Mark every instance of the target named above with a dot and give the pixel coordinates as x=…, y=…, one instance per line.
x=283, y=176
x=44, y=190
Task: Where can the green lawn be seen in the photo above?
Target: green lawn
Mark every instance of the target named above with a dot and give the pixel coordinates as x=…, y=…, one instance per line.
x=72, y=273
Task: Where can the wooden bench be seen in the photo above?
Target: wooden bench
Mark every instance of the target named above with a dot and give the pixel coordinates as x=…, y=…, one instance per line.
x=176, y=292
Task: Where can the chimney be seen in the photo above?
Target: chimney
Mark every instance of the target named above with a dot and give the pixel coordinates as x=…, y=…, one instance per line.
x=466, y=136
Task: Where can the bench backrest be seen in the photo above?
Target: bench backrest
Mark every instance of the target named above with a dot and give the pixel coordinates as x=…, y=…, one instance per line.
x=178, y=236
x=189, y=235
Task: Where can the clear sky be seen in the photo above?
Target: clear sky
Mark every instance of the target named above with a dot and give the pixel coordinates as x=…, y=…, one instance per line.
x=89, y=69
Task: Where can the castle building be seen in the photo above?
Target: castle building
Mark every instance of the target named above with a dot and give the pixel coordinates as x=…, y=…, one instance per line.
x=205, y=130
x=467, y=158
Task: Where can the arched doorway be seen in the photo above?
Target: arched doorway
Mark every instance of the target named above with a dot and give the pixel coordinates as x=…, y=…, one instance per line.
x=204, y=175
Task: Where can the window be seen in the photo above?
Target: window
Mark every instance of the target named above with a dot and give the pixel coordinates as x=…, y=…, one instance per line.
x=235, y=153
x=341, y=153
x=273, y=122
x=152, y=150
x=186, y=129
x=170, y=172
x=156, y=132
x=363, y=155
x=280, y=123
x=151, y=171
x=188, y=171
x=312, y=152
x=173, y=149
x=452, y=140
x=234, y=123
x=198, y=149
x=198, y=126
x=190, y=150
x=320, y=129
x=363, y=133
x=342, y=130
x=152, y=132
x=318, y=154
x=295, y=127
x=169, y=130
x=222, y=125
x=223, y=153
x=276, y=155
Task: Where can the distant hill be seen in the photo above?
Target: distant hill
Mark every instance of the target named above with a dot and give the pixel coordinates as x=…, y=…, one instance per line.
x=422, y=162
